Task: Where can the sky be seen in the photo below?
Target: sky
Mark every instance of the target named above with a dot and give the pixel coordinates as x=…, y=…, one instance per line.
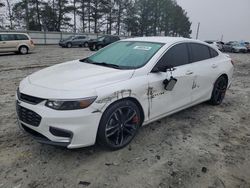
x=230, y=18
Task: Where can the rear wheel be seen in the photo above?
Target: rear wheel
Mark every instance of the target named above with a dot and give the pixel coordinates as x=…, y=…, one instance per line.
x=219, y=91
x=85, y=45
x=69, y=45
x=23, y=50
x=119, y=125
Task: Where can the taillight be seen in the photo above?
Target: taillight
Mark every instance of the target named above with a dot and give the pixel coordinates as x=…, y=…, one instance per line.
x=31, y=41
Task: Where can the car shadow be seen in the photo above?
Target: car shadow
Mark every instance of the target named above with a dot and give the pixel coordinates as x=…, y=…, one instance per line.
x=14, y=54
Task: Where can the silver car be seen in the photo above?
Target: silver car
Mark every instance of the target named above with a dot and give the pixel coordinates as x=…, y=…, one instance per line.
x=78, y=40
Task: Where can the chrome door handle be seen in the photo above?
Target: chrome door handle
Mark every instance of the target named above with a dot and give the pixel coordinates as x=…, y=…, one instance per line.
x=214, y=66
x=189, y=72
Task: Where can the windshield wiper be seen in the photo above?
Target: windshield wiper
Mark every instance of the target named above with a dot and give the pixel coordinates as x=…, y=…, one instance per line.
x=107, y=65
x=87, y=60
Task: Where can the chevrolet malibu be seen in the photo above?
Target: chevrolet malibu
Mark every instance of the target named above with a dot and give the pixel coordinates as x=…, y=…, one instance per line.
x=108, y=96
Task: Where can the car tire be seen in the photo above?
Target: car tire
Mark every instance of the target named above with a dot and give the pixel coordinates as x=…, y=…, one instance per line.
x=219, y=90
x=85, y=45
x=69, y=45
x=91, y=49
x=119, y=125
x=94, y=47
x=23, y=50
x=99, y=47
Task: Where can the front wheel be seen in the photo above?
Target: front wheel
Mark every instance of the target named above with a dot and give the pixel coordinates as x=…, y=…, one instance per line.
x=119, y=125
x=98, y=47
x=219, y=91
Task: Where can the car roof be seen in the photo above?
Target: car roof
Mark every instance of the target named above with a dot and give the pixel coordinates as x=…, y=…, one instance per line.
x=13, y=33
x=165, y=40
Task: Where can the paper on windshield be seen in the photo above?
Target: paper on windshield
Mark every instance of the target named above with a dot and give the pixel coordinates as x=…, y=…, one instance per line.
x=146, y=48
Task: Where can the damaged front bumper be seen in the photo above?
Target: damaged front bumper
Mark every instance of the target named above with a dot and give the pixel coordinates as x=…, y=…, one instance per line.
x=71, y=129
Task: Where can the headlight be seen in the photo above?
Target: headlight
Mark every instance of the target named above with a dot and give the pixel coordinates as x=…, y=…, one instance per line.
x=70, y=104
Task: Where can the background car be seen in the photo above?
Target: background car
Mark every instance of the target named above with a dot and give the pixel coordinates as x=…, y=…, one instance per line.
x=16, y=42
x=78, y=40
x=247, y=45
x=96, y=44
x=234, y=47
x=216, y=44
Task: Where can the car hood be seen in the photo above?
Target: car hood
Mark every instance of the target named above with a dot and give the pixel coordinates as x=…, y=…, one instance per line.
x=76, y=75
x=93, y=40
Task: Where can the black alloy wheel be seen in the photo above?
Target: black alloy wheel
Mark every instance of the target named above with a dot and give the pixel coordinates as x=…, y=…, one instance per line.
x=219, y=91
x=119, y=125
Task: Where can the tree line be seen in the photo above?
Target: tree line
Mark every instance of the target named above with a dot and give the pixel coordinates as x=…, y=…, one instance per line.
x=133, y=17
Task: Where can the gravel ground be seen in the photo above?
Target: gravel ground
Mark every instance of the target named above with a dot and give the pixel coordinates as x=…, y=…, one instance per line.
x=204, y=146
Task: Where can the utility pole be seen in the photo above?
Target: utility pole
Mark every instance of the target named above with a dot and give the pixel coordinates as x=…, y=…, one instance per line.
x=198, y=30
x=222, y=36
x=74, y=1
x=27, y=14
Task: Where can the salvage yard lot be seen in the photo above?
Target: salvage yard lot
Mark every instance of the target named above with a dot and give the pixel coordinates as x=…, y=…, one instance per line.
x=203, y=146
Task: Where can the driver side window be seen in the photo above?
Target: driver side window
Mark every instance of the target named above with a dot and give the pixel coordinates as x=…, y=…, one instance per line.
x=176, y=56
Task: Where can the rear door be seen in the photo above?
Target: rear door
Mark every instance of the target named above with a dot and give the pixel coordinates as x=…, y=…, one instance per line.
x=81, y=40
x=162, y=101
x=205, y=68
x=76, y=41
x=8, y=43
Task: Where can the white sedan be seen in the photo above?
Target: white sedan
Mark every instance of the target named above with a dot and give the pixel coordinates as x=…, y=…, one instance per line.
x=108, y=96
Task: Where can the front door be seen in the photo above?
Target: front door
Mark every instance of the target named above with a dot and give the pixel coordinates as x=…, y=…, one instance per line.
x=162, y=101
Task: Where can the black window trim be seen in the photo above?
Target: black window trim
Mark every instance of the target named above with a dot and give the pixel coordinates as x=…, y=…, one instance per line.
x=177, y=43
x=15, y=36
x=210, y=49
x=190, y=52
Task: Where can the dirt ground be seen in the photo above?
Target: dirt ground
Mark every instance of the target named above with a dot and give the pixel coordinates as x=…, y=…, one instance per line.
x=201, y=147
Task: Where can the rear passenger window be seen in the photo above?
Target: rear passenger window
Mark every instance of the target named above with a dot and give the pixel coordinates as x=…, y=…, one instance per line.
x=22, y=37
x=7, y=37
x=199, y=52
x=176, y=56
x=213, y=53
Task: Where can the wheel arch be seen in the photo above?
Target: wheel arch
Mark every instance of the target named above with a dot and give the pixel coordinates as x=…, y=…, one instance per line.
x=134, y=100
x=222, y=75
x=23, y=45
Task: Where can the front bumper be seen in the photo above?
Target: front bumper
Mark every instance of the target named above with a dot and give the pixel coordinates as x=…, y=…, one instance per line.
x=62, y=44
x=71, y=129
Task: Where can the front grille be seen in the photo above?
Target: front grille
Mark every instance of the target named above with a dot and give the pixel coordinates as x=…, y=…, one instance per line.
x=28, y=116
x=28, y=98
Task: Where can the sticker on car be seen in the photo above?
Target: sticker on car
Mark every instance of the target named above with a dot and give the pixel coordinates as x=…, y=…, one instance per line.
x=146, y=48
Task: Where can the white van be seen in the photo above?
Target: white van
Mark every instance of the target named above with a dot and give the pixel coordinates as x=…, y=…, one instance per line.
x=16, y=42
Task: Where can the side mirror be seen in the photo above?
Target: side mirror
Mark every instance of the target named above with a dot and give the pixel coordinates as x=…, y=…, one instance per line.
x=157, y=69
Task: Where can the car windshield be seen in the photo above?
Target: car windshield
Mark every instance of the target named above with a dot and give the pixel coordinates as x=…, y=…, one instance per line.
x=68, y=38
x=236, y=44
x=100, y=38
x=125, y=54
